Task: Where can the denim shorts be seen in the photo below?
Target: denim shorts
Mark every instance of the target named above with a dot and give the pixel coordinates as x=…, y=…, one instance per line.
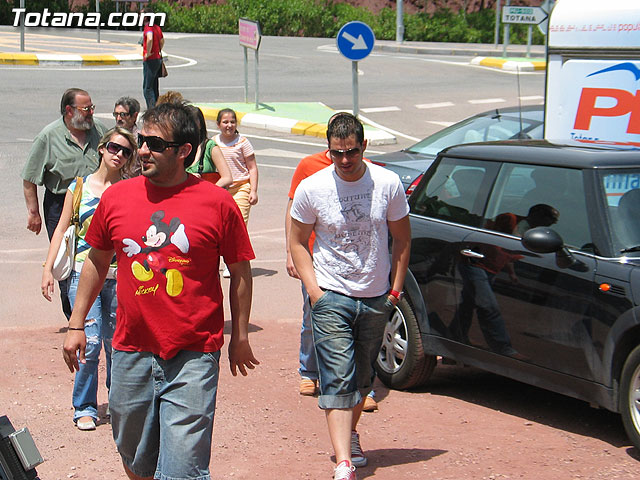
x=347, y=333
x=162, y=412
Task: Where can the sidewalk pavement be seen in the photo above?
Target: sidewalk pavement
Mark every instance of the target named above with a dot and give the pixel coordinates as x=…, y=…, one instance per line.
x=309, y=118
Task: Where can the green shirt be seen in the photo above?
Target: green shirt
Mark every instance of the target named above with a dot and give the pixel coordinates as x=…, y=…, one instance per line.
x=56, y=159
x=207, y=162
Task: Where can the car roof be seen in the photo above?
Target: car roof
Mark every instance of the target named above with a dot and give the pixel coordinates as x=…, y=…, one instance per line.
x=542, y=152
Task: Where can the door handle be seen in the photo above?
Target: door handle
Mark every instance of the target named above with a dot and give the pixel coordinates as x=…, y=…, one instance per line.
x=467, y=252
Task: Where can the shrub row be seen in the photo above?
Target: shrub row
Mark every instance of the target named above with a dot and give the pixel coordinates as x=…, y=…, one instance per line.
x=308, y=18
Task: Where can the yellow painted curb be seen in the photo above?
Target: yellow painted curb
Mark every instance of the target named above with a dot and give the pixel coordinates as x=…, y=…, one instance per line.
x=19, y=59
x=301, y=127
x=209, y=113
x=88, y=59
x=318, y=130
x=493, y=62
x=539, y=65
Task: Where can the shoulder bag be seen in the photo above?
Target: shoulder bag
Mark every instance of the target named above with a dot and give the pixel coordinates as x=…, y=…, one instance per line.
x=65, y=259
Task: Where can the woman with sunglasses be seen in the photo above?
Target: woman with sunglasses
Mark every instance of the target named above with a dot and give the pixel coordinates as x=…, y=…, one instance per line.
x=117, y=151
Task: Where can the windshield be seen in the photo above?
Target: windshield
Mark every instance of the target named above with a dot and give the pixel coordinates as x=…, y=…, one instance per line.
x=622, y=191
x=486, y=128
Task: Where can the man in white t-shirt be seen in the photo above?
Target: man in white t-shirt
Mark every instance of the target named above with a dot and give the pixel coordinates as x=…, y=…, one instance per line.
x=353, y=286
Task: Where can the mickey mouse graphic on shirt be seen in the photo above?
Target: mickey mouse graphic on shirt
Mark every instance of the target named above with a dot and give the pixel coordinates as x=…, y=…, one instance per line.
x=158, y=236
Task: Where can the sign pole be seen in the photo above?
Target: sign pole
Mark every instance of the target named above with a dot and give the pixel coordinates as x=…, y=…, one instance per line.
x=399, y=22
x=246, y=76
x=354, y=85
x=257, y=78
x=496, y=34
x=98, y=12
x=22, y=27
x=529, y=35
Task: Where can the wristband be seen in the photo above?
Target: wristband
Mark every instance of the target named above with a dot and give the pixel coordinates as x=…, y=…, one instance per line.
x=75, y=328
x=395, y=293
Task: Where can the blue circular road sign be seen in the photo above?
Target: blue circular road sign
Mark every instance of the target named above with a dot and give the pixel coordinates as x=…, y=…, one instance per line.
x=355, y=40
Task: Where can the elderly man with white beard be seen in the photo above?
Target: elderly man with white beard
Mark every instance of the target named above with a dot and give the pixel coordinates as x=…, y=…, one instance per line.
x=63, y=150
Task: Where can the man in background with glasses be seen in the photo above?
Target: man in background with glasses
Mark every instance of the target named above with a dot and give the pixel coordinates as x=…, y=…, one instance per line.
x=353, y=287
x=63, y=150
x=125, y=112
x=168, y=230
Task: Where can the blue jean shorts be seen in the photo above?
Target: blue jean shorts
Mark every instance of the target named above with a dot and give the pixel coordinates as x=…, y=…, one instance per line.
x=162, y=412
x=347, y=334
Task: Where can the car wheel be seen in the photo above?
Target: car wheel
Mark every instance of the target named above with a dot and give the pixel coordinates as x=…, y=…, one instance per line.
x=630, y=396
x=401, y=362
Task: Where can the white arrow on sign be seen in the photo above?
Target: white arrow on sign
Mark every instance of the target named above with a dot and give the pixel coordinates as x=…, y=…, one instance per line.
x=358, y=43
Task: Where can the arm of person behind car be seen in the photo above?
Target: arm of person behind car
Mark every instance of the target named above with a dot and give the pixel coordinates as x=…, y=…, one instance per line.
x=400, y=231
x=240, y=292
x=56, y=239
x=94, y=271
x=34, y=221
x=302, y=259
x=291, y=268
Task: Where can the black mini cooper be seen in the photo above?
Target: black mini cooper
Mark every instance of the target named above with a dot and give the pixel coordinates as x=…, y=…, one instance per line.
x=525, y=261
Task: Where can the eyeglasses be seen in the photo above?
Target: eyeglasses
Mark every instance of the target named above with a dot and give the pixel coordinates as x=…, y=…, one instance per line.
x=350, y=154
x=155, y=144
x=113, y=148
x=121, y=114
x=90, y=108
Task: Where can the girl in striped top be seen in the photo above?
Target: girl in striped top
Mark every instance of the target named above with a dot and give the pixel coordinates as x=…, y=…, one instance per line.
x=238, y=152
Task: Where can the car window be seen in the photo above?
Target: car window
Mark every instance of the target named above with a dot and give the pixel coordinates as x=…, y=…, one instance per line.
x=456, y=191
x=622, y=193
x=484, y=128
x=542, y=196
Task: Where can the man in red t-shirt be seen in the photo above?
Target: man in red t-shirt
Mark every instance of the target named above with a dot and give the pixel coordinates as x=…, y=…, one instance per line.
x=168, y=230
x=152, y=45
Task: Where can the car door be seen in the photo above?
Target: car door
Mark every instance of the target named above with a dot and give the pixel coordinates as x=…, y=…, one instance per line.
x=536, y=311
x=443, y=214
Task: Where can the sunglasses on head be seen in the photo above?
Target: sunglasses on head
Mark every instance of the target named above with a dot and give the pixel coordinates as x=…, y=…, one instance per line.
x=350, y=154
x=113, y=148
x=155, y=144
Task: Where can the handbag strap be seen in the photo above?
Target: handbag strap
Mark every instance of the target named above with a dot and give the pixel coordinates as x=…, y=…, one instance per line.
x=77, y=198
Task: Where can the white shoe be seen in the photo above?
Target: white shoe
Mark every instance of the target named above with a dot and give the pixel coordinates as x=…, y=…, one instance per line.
x=344, y=471
x=84, y=424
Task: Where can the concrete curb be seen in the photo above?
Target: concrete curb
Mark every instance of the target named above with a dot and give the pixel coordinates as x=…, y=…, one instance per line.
x=510, y=64
x=86, y=60
x=374, y=136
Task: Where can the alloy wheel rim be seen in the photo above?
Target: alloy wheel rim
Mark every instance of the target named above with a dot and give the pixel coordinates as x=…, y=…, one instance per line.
x=394, y=343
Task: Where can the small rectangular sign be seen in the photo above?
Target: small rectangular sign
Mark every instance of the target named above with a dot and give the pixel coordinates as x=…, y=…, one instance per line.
x=526, y=15
x=249, y=32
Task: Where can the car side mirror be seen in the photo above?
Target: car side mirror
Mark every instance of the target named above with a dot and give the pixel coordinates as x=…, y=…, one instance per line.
x=547, y=240
x=542, y=240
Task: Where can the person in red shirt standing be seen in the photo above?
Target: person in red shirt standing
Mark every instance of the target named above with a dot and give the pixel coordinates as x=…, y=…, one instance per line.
x=152, y=44
x=168, y=230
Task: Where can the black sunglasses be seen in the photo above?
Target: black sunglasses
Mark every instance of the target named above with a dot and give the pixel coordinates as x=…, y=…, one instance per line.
x=350, y=154
x=113, y=148
x=121, y=114
x=155, y=144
